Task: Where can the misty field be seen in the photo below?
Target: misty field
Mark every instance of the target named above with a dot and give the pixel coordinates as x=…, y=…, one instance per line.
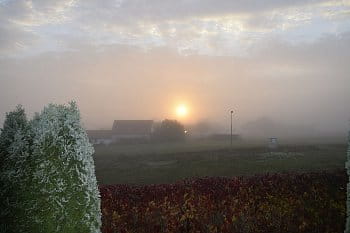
x=168, y=163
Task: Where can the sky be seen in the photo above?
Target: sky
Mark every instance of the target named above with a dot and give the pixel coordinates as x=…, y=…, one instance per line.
x=285, y=61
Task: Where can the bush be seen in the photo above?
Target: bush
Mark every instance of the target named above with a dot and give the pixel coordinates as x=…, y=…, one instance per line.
x=312, y=202
x=58, y=192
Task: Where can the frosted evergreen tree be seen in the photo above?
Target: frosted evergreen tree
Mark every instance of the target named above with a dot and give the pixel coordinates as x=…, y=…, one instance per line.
x=63, y=195
x=347, y=165
x=15, y=121
x=47, y=174
x=14, y=148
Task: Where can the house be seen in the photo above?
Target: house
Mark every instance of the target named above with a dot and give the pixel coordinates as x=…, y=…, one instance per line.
x=273, y=143
x=123, y=131
x=100, y=136
x=126, y=130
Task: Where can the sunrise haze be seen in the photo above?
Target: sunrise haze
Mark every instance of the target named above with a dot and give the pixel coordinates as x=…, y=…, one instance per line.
x=286, y=61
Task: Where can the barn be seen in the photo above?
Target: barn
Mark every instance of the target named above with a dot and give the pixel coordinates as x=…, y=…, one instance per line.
x=123, y=131
x=132, y=130
x=97, y=137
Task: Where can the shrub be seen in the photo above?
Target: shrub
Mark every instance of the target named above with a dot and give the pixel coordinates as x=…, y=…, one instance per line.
x=311, y=202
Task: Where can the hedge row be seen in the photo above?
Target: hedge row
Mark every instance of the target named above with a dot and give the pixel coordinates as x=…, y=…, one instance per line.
x=306, y=202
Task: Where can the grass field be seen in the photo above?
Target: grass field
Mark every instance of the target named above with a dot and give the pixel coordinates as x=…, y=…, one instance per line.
x=167, y=163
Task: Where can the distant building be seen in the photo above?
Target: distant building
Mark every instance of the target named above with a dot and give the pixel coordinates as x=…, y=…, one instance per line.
x=132, y=129
x=123, y=131
x=100, y=136
x=273, y=143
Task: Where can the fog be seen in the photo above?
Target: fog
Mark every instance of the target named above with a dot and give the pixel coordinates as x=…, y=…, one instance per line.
x=303, y=86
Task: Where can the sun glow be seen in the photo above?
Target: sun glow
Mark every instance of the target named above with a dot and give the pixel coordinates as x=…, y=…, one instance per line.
x=181, y=110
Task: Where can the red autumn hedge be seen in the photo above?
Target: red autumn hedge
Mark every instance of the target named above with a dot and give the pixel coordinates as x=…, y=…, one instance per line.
x=307, y=202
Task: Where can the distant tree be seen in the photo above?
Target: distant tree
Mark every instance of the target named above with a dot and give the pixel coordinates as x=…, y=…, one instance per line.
x=347, y=165
x=169, y=130
x=14, y=147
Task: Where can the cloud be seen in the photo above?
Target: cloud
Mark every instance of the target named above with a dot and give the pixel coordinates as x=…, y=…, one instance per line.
x=13, y=38
x=36, y=13
x=174, y=10
x=206, y=27
x=20, y=22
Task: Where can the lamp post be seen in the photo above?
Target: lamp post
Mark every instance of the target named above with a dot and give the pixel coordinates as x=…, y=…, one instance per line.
x=231, y=126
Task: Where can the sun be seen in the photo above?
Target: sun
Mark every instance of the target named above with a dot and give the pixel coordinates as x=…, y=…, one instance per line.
x=181, y=110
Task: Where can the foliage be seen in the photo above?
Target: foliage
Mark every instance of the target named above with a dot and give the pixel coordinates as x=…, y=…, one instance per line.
x=14, y=130
x=307, y=202
x=169, y=130
x=57, y=191
x=347, y=165
x=14, y=121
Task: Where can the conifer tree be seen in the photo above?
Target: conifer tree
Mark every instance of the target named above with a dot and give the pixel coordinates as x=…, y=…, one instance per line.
x=49, y=172
x=13, y=152
x=63, y=196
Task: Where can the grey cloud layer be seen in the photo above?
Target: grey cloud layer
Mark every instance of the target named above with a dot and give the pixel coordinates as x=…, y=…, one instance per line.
x=212, y=27
x=169, y=9
x=20, y=19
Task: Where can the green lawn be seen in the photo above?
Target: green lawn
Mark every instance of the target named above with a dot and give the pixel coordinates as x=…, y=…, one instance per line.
x=166, y=163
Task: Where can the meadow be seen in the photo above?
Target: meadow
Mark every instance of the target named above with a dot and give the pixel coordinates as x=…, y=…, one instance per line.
x=171, y=162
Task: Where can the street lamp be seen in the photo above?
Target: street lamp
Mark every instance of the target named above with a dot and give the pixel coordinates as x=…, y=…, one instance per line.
x=231, y=126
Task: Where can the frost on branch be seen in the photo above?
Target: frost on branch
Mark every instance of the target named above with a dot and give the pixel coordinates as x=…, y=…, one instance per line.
x=14, y=149
x=49, y=173
x=65, y=197
x=15, y=121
